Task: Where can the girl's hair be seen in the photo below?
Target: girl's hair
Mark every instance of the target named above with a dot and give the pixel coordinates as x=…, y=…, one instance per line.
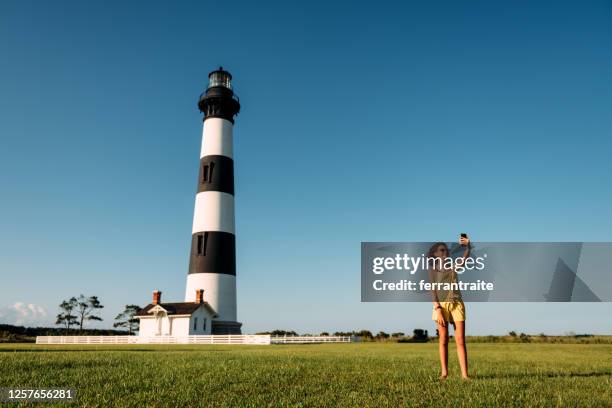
x=434, y=249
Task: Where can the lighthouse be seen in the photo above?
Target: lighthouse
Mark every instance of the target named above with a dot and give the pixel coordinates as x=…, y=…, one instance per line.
x=212, y=262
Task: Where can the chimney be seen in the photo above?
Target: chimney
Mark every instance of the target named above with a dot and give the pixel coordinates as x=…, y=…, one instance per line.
x=156, y=297
x=199, y=296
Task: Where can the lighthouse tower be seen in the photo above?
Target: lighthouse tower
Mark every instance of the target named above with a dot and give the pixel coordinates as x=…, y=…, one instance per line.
x=212, y=263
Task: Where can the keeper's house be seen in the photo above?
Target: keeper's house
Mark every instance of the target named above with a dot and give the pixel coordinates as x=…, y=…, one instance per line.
x=176, y=319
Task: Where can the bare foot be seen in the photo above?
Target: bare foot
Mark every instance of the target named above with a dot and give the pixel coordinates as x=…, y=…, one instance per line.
x=466, y=378
x=443, y=376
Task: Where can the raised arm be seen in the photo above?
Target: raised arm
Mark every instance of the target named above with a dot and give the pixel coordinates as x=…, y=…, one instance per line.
x=465, y=241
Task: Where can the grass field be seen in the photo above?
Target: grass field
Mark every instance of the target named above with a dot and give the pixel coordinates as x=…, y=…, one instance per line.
x=351, y=375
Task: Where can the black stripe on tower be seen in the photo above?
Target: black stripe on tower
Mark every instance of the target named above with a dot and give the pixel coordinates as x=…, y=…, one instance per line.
x=216, y=174
x=213, y=252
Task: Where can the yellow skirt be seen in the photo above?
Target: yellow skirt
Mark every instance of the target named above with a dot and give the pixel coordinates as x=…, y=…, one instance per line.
x=451, y=311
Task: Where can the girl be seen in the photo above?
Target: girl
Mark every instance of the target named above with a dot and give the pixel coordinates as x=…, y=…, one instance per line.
x=448, y=308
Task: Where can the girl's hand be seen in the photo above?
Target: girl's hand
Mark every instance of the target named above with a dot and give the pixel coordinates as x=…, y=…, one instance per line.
x=464, y=241
x=440, y=318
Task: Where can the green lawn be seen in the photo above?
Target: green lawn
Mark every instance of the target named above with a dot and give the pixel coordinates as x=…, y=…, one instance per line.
x=351, y=375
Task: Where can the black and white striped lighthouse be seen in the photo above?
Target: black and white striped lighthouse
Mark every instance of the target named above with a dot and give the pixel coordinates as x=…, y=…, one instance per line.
x=212, y=264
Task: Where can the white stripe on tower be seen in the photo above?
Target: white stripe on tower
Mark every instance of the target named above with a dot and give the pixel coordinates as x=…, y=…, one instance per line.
x=214, y=211
x=212, y=264
x=217, y=138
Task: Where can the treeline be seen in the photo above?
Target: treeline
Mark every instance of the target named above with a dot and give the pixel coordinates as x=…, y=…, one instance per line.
x=422, y=336
x=10, y=333
x=19, y=334
x=569, y=338
x=418, y=335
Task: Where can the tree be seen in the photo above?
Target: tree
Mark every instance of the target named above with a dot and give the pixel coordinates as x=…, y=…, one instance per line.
x=87, y=309
x=284, y=333
x=280, y=333
x=397, y=334
x=382, y=335
x=366, y=334
x=66, y=316
x=420, y=335
x=525, y=338
x=127, y=318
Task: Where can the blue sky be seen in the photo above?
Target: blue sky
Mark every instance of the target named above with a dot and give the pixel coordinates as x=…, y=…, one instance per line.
x=360, y=122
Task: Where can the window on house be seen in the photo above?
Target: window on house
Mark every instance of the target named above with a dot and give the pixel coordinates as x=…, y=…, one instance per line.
x=204, y=325
x=195, y=324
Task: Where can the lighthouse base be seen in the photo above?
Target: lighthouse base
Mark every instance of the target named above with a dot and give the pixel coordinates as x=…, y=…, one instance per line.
x=226, y=327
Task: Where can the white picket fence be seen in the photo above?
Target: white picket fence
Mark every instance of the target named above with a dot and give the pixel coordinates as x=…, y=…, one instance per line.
x=210, y=339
